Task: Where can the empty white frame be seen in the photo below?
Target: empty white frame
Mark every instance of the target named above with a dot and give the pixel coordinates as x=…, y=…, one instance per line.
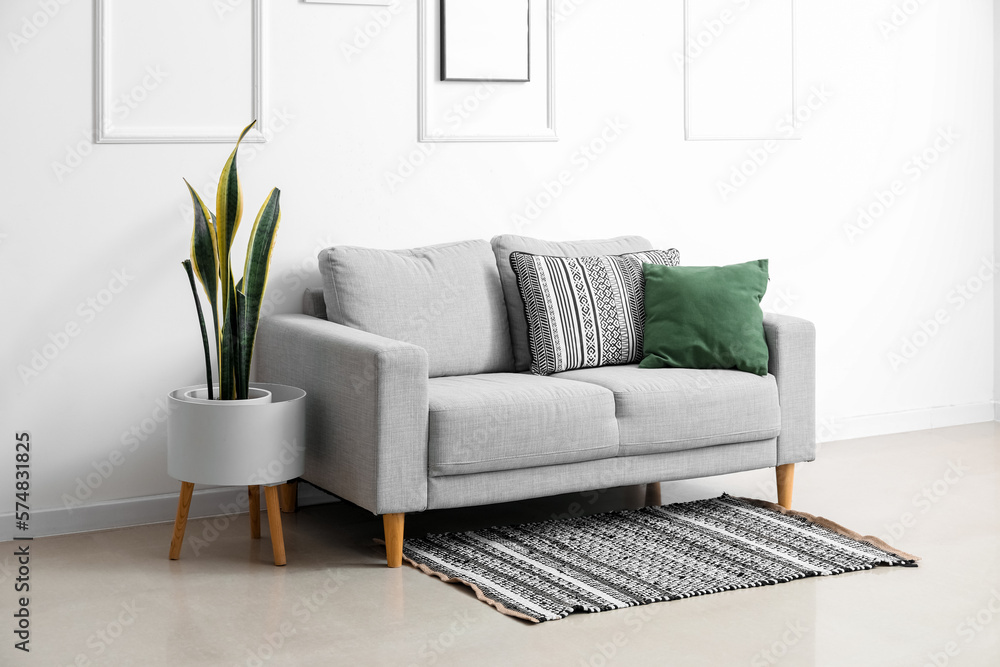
x=739, y=68
x=185, y=71
x=485, y=40
x=486, y=111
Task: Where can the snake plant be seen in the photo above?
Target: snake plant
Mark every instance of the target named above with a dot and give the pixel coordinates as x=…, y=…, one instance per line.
x=235, y=305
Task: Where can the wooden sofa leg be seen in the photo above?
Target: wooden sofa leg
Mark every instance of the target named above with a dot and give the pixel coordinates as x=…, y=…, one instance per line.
x=653, y=494
x=288, y=494
x=785, y=475
x=393, y=524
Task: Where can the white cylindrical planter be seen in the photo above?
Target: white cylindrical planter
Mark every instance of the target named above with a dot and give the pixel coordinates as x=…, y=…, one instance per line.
x=237, y=443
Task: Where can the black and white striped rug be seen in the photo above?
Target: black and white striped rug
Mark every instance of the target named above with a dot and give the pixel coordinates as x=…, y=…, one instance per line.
x=547, y=571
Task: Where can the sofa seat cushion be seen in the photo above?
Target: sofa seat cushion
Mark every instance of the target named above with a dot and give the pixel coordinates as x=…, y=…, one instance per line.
x=504, y=421
x=670, y=409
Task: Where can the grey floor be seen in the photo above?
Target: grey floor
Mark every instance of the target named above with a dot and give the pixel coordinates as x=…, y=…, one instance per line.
x=113, y=598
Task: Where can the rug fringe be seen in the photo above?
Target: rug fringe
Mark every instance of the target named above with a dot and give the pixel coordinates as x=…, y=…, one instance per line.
x=452, y=580
x=478, y=591
x=832, y=526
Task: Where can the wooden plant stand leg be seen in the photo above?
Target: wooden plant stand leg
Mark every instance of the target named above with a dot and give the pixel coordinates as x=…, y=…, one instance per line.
x=653, y=494
x=785, y=475
x=274, y=521
x=180, y=521
x=289, y=492
x=254, y=511
x=393, y=525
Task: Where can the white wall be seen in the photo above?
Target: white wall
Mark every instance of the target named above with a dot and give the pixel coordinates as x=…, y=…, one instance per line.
x=352, y=122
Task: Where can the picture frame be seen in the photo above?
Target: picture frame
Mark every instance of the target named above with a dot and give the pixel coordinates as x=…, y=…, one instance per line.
x=108, y=57
x=486, y=40
x=511, y=112
x=739, y=70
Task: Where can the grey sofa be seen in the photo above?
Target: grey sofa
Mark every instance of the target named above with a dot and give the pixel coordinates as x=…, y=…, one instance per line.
x=415, y=363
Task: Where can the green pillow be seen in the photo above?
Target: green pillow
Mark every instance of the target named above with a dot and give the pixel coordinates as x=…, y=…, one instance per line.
x=705, y=317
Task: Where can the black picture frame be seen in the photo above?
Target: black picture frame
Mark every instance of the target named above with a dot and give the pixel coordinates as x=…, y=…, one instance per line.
x=444, y=46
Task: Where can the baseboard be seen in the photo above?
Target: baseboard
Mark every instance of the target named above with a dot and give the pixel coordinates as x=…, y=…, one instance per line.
x=149, y=509
x=865, y=426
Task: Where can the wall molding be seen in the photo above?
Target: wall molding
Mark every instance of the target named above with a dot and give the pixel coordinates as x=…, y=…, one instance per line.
x=866, y=426
x=424, y=134
x=130, y=512
x=105, y=131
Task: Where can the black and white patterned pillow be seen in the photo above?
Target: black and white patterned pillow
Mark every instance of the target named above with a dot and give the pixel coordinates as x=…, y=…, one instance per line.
x=584, y=312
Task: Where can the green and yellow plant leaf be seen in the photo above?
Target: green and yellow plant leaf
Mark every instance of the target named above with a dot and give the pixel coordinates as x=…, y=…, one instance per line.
x=255, y=270
x=230, y=348
x=241, y=374
x=205, y=254
x=228, y=211
x=201, y=321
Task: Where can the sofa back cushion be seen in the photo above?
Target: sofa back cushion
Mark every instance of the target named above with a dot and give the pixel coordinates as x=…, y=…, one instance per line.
x=314, y=303
x=445, y=298
x=505, y=244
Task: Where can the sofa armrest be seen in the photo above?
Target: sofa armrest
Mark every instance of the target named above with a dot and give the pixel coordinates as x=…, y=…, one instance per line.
x=366, y=410
x=791, y=346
